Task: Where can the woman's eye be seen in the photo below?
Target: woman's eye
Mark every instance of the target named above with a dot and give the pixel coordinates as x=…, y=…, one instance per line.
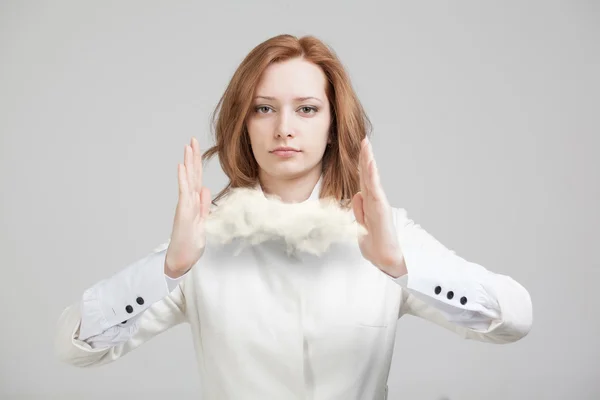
x=262, y=109
x=308, y=110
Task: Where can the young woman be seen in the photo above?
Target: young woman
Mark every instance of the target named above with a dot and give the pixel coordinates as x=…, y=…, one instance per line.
x=316, y=322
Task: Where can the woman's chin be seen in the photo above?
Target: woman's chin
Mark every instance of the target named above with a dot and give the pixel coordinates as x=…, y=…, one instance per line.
x=288, y=172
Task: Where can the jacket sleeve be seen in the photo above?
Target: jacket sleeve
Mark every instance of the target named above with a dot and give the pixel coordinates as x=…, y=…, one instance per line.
x=118, y=333
x=117, y=315
x=457, y=294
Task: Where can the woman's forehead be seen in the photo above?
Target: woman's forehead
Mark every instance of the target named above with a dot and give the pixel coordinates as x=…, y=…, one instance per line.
x=292, y=80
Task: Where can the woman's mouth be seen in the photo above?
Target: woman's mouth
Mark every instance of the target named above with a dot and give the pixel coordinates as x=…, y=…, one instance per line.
x=285, y=153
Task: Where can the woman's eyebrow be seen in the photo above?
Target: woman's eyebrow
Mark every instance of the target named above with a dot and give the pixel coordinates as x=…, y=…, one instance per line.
x=295, y=99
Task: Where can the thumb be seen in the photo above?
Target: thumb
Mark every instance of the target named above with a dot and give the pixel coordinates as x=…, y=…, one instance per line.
x=357, y=207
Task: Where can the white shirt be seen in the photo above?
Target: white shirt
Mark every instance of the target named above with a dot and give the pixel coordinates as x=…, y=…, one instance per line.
x=267, y=326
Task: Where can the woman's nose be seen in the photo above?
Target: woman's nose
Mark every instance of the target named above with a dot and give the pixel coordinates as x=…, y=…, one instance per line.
x=284, y=125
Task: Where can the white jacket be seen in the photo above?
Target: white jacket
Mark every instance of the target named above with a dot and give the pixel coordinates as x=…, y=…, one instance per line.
x=267, y=326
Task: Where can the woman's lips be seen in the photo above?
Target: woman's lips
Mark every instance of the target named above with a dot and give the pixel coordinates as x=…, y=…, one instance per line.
x=285, y=153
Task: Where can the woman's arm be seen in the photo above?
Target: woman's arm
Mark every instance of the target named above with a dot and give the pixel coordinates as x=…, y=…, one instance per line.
x=458, y=294
x=109, y=321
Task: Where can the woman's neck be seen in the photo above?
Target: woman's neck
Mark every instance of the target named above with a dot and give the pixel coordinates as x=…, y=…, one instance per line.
x=292, y=190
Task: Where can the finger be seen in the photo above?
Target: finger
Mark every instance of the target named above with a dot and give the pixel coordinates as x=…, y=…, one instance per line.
x=362, y=167
x=371, y=185
x=376, y=189
x=370, y=160
x=189, y=167
x=182, y=179
x=196, y=197
x=197, y=164
x=376, y=179
x=204, y=202
x=372, y=174
x=357, y=207
x=368, y=156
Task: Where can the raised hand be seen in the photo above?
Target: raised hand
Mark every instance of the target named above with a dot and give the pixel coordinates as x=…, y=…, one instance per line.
x=371, y=208
x=187, y=238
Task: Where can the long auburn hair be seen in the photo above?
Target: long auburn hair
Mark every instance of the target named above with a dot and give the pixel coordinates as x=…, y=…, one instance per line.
x=349, y=124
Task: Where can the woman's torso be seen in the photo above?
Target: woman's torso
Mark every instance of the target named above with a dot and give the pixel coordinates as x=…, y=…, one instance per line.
x=273, y=325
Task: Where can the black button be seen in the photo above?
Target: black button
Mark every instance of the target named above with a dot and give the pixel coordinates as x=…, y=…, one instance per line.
x=124, y=322
x=450, y=295
x=463, y=300
x=129, y=309
x=438, y=290
x=140, y=301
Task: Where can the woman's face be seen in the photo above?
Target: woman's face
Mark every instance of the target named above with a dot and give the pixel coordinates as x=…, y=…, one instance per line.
x=290, y=110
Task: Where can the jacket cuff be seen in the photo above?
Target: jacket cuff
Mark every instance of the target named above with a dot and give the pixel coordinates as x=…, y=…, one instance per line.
x=448, y=284
x=128, y=293
x=463, y=291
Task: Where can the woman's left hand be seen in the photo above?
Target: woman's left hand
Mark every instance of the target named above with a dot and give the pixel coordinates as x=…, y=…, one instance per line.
x=371, y=208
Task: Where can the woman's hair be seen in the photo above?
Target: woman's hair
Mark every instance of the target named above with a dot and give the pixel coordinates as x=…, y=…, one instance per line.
x=349, y=122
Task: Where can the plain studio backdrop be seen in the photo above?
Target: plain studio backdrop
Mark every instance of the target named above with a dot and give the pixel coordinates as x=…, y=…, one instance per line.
x=486, y=130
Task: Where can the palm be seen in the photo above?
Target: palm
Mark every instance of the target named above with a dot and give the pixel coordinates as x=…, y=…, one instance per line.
x=188, y=239
x=372, y=210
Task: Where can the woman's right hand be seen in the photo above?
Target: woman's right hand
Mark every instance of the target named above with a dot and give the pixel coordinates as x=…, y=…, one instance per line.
x=187, y=238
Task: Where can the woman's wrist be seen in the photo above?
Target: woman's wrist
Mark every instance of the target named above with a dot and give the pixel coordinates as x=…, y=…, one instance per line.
x=174, y=274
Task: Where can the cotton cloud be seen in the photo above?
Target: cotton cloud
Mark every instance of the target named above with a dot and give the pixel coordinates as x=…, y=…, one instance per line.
x=311, y=226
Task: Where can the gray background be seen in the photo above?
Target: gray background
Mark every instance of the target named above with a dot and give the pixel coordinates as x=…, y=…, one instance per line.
x=485, y=129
